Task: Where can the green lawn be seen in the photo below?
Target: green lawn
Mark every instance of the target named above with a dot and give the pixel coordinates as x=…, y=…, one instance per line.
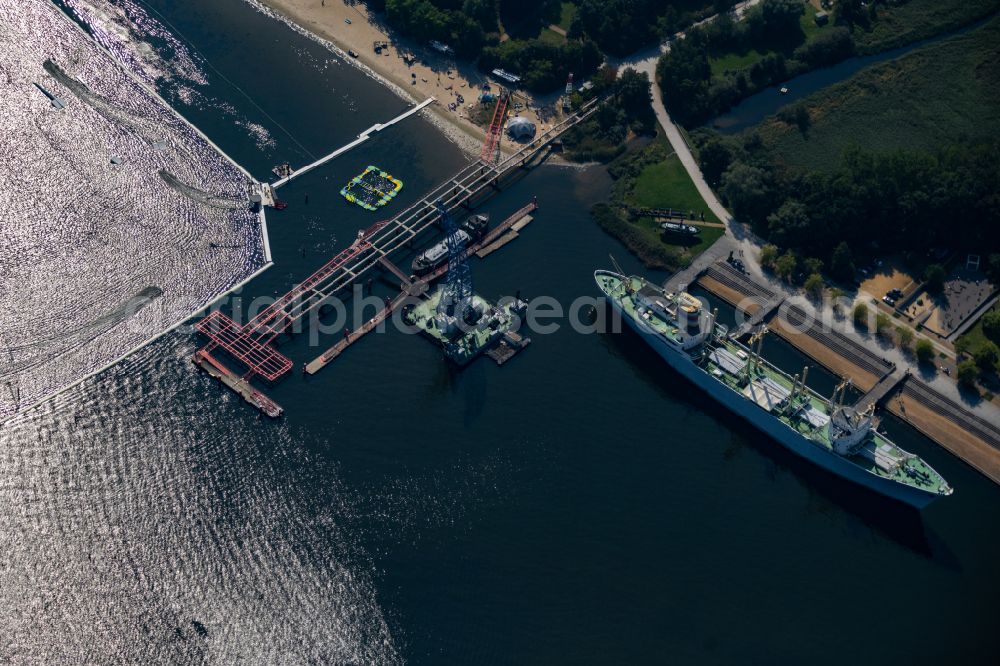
x=975, y=335
x=566, y=13
x=808, y=22
x=683, y=253
x=667, y=185
x=927, y=99
x=551, y=37
x=733, y=62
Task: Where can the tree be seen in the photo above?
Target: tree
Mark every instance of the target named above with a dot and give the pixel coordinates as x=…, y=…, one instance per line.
x=785, y=265
x=714, y=158
x=748, y=190
x=905, y=335
x=986, y=357
x=684, y=74
x=860, y=315
x=812, y=265
x=934, y=278
x=837, y=300
x=992, y=268
x=634, y=97
x=814, y=285
x=991, y=325
x=788, y=225
x=768, y=255
x=842, y=263
x=924, y=350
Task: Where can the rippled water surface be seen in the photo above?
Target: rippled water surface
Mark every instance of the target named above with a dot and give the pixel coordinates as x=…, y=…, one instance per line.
x=580, y=504
x=117, y=219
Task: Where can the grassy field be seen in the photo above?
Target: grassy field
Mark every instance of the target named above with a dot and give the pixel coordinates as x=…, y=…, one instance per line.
x=735, y=62
x=645, y=240
x=551, y=37
x=654, y=177
x=920, y=19
x=931, y=97
x=667, y=185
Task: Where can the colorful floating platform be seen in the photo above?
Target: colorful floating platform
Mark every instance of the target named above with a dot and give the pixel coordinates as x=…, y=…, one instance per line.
x=372, y=188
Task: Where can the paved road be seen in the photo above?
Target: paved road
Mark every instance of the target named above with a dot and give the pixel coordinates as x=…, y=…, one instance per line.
x=645, y=61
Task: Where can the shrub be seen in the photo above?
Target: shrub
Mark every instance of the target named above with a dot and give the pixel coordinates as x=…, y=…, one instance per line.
x=905, y=336
x=860, y=315
x=924, y=351
x=882, y=324
x=814, y=285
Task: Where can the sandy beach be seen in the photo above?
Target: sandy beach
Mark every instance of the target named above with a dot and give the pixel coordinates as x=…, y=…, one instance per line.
x=350, y=28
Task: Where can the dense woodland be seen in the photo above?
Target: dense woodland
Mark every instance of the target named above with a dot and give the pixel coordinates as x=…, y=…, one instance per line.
x=873, y=203
x=473, y=28
x=693, y=95
x=777, y=41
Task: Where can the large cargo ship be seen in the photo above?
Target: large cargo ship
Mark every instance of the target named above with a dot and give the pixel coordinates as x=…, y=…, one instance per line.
x=828, y=433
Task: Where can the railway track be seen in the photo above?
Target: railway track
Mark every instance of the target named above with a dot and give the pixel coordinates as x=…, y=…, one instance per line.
x=923, y=394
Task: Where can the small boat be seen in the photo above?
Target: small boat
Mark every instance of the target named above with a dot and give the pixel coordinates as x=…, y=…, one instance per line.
x=347, y=21
x=472, y=230
x=679, y=228
x=280, y=205
x=783, y=90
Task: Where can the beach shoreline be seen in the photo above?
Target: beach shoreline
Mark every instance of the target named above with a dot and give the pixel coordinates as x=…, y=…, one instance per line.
x=344, y=27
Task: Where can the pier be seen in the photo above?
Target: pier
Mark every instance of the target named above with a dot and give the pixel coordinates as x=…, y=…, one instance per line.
x=364, y=136
x=878, y=393
x=832, y=349
x=683, y=279
x=250, y=343
x=413, y=288
x=350, y=337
